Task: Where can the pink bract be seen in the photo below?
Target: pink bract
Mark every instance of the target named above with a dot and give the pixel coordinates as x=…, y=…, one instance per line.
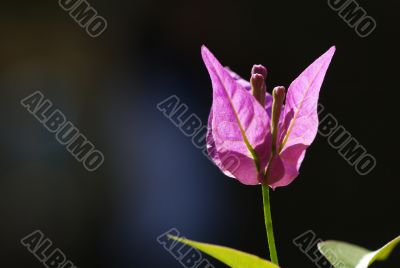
x=239, y=127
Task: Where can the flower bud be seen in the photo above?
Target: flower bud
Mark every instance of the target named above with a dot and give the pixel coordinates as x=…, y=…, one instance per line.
x=257, y=81
x=259, y=69
x=278, y=95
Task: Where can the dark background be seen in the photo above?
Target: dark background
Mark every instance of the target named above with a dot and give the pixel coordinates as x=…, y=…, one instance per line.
x=153, y=178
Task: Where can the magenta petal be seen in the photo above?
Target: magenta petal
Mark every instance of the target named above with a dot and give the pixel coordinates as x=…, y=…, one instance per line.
x=276, y=171
x=213, y=153
x=289, y=160
x=231, y=162
x=239, y=125
x=299, y=122
x=302, y=101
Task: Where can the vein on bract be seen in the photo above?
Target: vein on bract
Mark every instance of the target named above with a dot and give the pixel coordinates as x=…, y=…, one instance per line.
x=298, y=110
x=245, y=139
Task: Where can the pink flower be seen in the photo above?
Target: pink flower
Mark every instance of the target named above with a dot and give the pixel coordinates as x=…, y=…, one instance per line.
x=267, y=135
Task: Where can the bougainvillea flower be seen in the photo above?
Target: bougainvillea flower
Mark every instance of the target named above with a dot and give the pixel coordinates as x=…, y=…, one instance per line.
x=257, y=137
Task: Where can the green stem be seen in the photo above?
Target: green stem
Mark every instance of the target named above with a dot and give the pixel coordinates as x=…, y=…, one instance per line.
x=268, y=225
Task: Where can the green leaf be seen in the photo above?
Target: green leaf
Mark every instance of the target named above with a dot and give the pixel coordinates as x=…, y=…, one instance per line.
x=231, y=257
x=345, y=255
